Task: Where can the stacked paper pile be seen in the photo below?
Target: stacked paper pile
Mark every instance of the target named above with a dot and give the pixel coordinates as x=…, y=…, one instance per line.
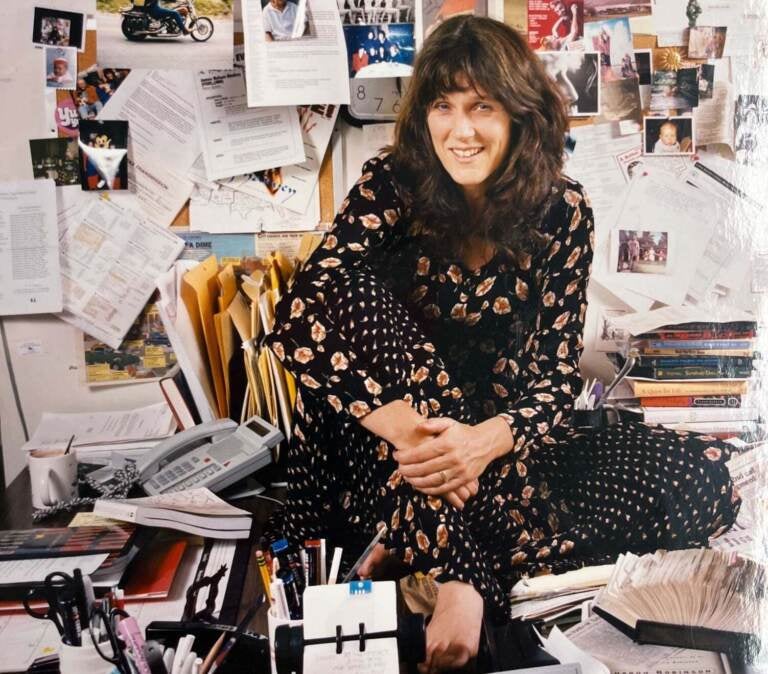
x=94, y=436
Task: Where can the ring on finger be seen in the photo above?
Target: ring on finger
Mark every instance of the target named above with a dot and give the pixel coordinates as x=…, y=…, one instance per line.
x=444, y=476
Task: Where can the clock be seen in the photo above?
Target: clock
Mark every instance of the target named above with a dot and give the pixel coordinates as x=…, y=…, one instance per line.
x=374, y=99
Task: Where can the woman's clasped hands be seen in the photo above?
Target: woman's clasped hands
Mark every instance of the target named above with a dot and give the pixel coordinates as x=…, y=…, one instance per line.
x=449, y=461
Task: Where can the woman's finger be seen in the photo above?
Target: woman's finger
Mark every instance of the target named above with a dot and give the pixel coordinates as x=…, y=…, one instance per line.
x=432, y=467
x=429, y=449
x=437, y=424
x=454, y=500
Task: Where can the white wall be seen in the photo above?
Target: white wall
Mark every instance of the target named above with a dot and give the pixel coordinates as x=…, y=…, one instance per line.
x=49, y=366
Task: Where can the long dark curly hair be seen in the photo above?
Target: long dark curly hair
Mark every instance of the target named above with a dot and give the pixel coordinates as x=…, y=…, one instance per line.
x=494, y=59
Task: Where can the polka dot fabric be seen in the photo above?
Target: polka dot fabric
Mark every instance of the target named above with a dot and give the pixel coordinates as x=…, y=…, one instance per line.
x=373, y=317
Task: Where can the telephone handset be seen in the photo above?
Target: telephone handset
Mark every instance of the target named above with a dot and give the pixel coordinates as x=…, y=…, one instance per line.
x=215, y=455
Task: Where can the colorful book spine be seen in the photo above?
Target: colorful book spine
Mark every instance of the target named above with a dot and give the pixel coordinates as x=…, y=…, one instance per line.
x=703, y=344
x=652, y=351
x=691, y=388
x=692, y=401
x=663, y=373
x=723, y=362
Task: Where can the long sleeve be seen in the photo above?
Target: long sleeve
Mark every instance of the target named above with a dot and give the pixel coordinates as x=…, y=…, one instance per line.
x=545, y=370
x=308, y=336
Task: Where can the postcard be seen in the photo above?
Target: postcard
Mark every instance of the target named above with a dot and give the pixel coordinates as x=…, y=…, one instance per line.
x=577, y=75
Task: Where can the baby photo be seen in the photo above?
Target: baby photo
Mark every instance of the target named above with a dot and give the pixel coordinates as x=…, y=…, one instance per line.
x=103, y=155
x=58, y=28
x=706, y=42
x=668, y=136
x=641, y=252
x=60, y=67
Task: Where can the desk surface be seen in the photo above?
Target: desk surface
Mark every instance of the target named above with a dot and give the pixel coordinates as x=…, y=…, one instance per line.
x=16, y=513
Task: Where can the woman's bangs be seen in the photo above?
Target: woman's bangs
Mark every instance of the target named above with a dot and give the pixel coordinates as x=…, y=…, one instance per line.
x=458, y=69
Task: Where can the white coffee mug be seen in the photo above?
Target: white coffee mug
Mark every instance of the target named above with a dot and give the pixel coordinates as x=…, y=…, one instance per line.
x=52, y=476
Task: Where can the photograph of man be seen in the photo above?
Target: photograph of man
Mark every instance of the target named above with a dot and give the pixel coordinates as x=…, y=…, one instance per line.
x=87, y=100
x=158, y=11
x=58, y=28
x=282, y=21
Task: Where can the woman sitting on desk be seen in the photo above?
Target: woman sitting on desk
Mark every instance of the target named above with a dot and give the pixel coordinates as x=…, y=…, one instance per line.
x=435, y=335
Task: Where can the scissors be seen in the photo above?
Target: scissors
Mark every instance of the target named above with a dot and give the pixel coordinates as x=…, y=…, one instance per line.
x=59, y=592
x=108, y=625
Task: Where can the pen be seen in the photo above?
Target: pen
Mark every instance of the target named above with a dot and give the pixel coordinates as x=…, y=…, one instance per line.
x=83, y=607
x=281, y=601
x=291, y=593
x=206, y=664
x=323, y=574
x=365, y=554
x=236, y=635
x=69, y=444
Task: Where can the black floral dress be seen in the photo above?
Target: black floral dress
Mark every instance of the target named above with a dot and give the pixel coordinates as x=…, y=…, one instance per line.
x=373, y=317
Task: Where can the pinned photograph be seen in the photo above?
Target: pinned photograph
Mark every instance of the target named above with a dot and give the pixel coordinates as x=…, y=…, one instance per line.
x=612, y=39
x=360, y=12
x=58, y=28
x=644, y=65
x=706, y=42
x=577, y=76
x=434, y=12
x=620, y=102
x=60, y=67
x=631, y=163
x=706, y=80
x=103, y=154
x=675, y=89
x=668, y=136
x=157, y=34
x=284, y=19
x=750, y=122
x=56, y=159
x=94, y=87
x=609, y=337
x=641, y=252
x=596, y=10
x=383, y=50
x=556, y=25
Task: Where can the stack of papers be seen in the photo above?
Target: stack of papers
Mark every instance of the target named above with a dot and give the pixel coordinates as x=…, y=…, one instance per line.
x=98, y=434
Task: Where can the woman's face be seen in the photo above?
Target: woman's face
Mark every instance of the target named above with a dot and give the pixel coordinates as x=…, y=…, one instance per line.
x=470, y=134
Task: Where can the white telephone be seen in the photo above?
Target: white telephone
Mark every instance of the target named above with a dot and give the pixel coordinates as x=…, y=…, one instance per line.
x=214, y=455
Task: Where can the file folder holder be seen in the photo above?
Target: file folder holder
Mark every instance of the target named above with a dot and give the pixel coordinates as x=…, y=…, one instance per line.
x=410, y=635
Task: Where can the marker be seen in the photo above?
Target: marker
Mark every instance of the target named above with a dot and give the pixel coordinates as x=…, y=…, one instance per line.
x=335, y=563
x=292, y=594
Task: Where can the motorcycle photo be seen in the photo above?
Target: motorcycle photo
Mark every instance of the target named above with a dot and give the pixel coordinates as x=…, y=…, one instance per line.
x=137, y=24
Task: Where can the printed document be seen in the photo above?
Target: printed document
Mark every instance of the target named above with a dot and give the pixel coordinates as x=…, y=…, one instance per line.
x=159, y=106
x=152, y=422
x=237, y=139
x=292, y=187
x=110, y=260
x=30, y=280
x=310, y=70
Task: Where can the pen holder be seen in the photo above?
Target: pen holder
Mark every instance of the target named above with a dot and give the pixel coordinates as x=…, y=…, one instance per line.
x=80, y=659
x=588, y=420
x=273, y=622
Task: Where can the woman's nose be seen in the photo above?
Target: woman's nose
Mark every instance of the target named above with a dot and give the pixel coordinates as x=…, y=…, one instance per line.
x=463, y=127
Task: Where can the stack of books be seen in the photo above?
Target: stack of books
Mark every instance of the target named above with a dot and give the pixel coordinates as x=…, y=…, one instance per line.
x=694, y=376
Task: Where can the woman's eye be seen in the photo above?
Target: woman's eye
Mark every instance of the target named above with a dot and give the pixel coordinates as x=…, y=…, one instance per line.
x=484, y=106
x=442, y=106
